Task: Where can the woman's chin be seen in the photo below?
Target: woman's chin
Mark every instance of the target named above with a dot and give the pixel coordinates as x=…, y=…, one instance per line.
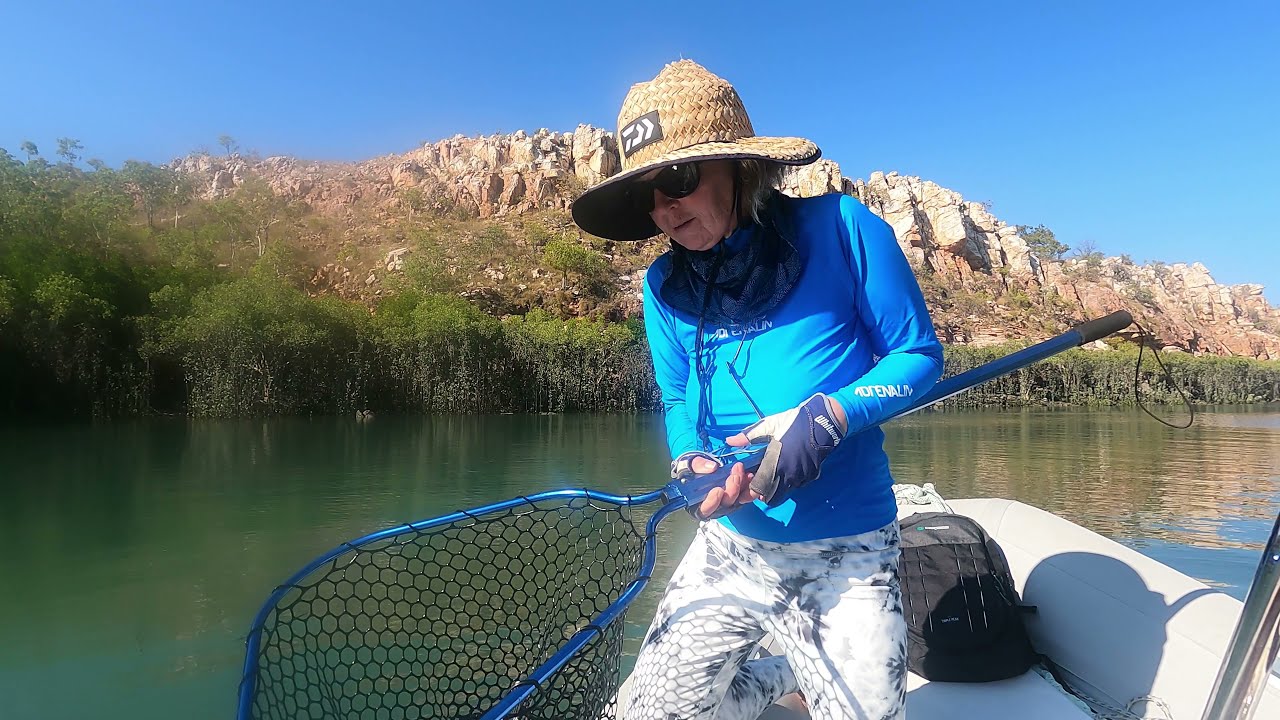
x=696, y=242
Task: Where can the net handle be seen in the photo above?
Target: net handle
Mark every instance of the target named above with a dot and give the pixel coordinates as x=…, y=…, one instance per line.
x=595, y=628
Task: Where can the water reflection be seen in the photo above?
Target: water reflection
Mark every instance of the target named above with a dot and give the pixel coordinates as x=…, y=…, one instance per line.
x=1121, y=474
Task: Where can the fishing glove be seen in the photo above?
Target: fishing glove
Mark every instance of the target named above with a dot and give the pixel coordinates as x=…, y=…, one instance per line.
x=799, y=440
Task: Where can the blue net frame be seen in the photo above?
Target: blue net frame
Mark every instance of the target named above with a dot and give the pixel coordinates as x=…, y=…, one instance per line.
x=450, y=617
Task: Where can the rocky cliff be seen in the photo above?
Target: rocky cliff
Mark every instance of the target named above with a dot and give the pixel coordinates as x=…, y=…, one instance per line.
x=945, y=236
x=983, y=282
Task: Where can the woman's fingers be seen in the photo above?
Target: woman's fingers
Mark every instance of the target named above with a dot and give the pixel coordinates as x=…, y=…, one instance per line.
x=733, y=484
x=711, y=502
x=736, y=491
x=702, y=465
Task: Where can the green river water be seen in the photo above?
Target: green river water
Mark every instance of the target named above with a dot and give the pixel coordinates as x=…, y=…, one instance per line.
x=135, y=554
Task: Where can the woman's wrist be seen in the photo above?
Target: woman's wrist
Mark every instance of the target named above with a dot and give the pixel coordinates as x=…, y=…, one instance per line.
x=837, y=411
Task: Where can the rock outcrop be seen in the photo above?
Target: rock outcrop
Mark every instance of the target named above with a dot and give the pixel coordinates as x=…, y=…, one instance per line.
x=961, y=242
x=983, y=281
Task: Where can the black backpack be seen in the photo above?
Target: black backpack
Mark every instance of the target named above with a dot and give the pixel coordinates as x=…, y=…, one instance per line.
x=964, y=616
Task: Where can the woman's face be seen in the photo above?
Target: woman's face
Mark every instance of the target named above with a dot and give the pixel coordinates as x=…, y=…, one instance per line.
x=700, y=220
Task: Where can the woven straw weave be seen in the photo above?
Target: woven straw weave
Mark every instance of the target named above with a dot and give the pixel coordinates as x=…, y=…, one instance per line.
x=696, y=107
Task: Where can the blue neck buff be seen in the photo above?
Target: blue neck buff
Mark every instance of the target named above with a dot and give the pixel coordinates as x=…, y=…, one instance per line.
x=740, y=279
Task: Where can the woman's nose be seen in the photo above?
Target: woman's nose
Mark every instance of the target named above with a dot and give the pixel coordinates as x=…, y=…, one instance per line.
x=661, y=200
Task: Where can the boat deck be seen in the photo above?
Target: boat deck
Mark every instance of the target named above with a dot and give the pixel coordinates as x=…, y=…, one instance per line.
x=1026, y=696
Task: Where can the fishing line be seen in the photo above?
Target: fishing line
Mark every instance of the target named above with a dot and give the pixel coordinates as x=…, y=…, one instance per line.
x=1143, y=337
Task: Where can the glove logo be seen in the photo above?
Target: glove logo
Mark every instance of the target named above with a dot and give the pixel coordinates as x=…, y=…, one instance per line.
x=829, y=427
x=796, y=447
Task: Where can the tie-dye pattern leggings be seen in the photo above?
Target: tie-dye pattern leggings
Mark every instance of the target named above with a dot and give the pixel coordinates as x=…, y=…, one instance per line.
x=833, y=607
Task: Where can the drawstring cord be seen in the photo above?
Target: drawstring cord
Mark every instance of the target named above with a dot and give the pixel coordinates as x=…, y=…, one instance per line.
x=704, y=374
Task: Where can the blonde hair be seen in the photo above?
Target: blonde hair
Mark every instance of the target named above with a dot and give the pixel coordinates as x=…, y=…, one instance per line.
x=758, y=180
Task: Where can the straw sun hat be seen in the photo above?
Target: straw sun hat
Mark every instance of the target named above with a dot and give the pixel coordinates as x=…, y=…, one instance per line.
x=684, y=114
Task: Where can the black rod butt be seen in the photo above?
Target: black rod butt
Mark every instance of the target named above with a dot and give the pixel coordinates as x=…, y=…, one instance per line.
x=1103, y=326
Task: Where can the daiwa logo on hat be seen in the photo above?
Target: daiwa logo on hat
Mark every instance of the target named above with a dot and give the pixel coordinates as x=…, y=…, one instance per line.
x=644, y=130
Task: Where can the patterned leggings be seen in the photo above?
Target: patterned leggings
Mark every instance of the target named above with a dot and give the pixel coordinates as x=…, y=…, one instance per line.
x=833, y=606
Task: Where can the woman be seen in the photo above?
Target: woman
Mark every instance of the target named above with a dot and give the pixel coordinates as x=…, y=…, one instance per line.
x=792, y=322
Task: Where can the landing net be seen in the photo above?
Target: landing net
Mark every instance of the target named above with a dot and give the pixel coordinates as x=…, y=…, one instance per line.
x=442, y=621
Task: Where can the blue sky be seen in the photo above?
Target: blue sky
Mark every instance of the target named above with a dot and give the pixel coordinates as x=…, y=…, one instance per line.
x=1151, y=129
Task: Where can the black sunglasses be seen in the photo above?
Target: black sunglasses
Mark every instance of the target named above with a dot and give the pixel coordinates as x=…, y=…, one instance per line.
x=674, y=181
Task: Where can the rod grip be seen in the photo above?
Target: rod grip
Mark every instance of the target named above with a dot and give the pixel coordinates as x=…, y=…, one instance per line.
x=696, y=488
x=1103, y=326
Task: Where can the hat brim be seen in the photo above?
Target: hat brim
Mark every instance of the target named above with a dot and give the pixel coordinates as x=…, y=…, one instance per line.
x=603, y=209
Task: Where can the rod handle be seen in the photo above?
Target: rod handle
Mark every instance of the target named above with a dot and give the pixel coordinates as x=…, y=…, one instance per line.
x=1097, y=329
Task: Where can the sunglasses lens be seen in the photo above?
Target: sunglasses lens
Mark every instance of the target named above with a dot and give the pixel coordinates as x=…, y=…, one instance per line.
x=675, y=181
x=678, y=181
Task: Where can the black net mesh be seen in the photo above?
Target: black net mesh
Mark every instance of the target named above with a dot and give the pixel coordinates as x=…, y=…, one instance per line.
x=442, y=623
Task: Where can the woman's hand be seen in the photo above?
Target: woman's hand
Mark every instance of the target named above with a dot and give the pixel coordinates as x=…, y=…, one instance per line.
x=724, y=500
x=720, y=501
x=799, y=440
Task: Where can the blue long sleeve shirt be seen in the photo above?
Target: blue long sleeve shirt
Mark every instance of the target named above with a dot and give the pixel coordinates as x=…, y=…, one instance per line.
x=854, y=326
